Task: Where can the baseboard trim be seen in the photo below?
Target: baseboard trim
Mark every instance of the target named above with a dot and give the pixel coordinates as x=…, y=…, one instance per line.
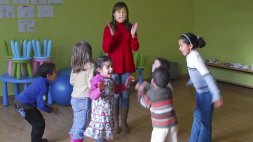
x=223, y=81
x=234, y=83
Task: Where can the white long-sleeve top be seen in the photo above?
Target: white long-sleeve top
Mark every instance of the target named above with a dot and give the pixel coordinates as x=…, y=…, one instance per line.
x=81, y=81
x=200, y=76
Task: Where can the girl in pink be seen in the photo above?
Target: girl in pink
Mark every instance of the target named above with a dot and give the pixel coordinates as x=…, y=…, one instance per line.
x=102, y=92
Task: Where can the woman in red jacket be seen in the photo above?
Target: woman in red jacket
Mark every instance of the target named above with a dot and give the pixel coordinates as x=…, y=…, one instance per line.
x=119, y=41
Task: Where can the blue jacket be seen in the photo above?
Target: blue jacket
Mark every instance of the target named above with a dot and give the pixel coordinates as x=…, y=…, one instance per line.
x=35, y=95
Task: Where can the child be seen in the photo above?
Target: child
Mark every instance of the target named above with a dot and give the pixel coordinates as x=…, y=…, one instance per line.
x=119, y=41
x=82, y=72
x=159, y=62
x=159, y=100
x=102, y=92
x=207, y=92
x=33, y=98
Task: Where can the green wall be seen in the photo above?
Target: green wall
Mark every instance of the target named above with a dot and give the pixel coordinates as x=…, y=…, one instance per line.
x=227, y=28
x=160, y=24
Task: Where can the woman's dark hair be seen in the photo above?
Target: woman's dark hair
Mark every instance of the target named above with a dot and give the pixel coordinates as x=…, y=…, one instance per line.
x=116, y=7
x=161, y=77
x=190, y=38
x=45, y=69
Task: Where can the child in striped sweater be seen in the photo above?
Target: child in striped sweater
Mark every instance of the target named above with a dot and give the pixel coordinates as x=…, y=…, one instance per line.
x=159, y=62
x=159, y=100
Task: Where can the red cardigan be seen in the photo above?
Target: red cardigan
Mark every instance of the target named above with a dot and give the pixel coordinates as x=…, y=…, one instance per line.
x=119, y=47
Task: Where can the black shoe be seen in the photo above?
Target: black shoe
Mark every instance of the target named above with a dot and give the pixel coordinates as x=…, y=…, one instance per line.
x=44, y=140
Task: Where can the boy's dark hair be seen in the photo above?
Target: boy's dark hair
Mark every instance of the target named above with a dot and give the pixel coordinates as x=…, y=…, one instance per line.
x=46, y=68
x=99, y=63
x=161, y=77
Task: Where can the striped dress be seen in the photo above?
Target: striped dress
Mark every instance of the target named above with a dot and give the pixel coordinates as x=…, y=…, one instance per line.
x=160, y=103
x=101, y=124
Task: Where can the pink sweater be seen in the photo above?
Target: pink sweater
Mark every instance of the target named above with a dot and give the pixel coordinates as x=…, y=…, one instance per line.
x=96, y=93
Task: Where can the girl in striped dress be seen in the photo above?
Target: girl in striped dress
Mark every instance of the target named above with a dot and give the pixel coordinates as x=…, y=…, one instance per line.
x=102, y=94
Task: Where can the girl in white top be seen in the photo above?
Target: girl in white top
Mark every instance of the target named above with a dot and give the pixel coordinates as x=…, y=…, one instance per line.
x=82, y=71
x=207, y=91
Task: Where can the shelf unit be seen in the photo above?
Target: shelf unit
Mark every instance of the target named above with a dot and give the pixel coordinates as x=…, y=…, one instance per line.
x=218, y=65
x=222, y=66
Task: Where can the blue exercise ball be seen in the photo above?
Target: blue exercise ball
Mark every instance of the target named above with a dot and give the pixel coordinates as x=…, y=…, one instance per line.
x=65, y=71
x=61, y=90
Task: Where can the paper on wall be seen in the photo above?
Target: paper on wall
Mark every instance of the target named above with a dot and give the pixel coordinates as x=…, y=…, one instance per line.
x=55, y=1
x=26, y=25
x=38, y=1
x=7, y=11
x=4, y=1
x=45, y=11
x=20, y=1
x=25, y=11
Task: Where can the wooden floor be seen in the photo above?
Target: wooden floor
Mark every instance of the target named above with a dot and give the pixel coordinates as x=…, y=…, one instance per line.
x=232, y=123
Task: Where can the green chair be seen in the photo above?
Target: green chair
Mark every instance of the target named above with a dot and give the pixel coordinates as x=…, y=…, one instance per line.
x=21, y=61
x=8, y=54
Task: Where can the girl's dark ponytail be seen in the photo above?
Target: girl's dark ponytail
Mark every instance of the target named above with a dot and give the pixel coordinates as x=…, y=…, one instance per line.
x=201, y=42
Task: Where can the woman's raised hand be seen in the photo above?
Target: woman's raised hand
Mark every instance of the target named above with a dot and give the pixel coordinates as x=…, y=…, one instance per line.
x=134, y=29
x=111, y=29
